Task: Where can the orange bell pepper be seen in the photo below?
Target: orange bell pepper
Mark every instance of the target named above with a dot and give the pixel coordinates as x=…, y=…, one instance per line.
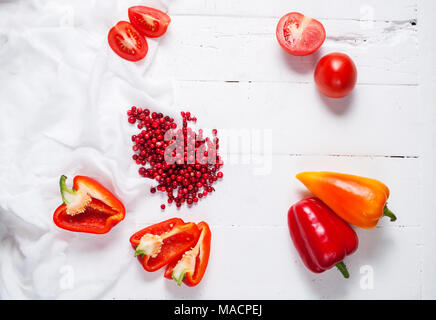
x=358, y=200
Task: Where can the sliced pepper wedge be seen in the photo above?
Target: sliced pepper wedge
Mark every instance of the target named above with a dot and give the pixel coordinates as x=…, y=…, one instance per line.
x=191, y=266
x=162, y=243
x=87, y=207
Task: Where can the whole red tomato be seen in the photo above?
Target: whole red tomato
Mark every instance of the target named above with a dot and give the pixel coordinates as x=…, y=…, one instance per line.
x=336, y=75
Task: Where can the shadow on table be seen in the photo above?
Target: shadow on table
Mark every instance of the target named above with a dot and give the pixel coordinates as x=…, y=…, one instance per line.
x=183, y=291
x=331, y=284
x=302, y=64
x=307, y=64
x=338, y=106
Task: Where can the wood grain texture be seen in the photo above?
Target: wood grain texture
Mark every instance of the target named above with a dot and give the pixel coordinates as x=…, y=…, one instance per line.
x=261, y=263
x=260, y=194
x=427, y=98
x=374, y=120
x=338, y=9
x=221, y=48
x=229, y=71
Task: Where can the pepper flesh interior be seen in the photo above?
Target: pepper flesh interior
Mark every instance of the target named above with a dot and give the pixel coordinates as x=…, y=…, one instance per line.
x=188, y=262
x=76, y=201
x=150, y=245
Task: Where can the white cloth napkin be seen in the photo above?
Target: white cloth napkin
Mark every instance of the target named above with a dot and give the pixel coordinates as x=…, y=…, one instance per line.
x=63, y=99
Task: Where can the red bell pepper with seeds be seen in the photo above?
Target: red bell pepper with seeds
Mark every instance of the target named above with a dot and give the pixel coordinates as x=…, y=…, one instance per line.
x=162, y=243
x=87, y=207
x=321, y=238
x=190, y=268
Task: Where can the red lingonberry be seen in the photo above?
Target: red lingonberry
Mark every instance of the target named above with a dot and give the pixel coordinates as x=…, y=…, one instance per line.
x=194, y=169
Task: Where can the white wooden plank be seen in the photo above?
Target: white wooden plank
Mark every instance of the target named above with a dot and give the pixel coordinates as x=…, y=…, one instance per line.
x=261, y=263
x=261, y=194
x=427, y=42
x=232, y=48
x=339, y=9
x=376, y=120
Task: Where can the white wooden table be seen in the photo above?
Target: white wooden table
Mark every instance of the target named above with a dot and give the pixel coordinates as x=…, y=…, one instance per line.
x=231, y=73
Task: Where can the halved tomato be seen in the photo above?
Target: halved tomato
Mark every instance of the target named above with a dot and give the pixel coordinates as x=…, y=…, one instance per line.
x=127, y=42
x=148, y=21
x=300, y=35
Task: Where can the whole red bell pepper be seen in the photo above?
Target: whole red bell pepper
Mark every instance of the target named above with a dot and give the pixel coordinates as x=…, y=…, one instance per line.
x=162, y=243
x=321, y=238
x=87, y=207
x=190, y=267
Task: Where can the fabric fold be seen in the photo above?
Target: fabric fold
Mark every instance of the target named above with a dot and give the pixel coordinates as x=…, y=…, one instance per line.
x=64, y=99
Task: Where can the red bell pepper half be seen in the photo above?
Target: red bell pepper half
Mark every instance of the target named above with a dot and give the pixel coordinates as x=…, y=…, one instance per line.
x=321, y=238
x=87, y=207
x=190, y=267
x=162, y=243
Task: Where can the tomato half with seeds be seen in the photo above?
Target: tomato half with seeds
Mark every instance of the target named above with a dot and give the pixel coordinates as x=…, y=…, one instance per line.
x=127, y=42
x=148, y=21
x=300, y=35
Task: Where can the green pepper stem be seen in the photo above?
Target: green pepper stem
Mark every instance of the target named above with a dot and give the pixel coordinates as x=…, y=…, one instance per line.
x=64, y=189
x=139, y=252
x=343, y=269
x=389, y=213
x=178, y=279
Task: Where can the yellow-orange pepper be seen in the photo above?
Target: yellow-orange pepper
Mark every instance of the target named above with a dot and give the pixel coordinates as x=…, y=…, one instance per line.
x=359, y=201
